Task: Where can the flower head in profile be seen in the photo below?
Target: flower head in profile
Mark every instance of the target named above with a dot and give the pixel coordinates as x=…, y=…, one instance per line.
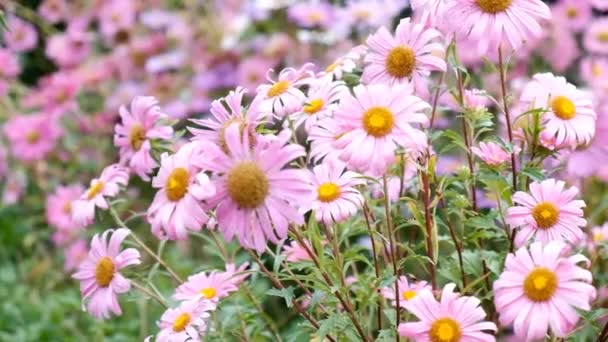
x=284, y=96
x=491, y=153
x=453, y=318
x=100, y=279
x=598, y=236
x=211, y=286
x=549, y=212
x=494, y=23
x=570, y=116
x=188, y=322
x=541, y=288
x=295, y=252
x=375, y=122
x=407, y=57
x=257, y=197
x=59, y=211
x=322, y=137
x=407, y=291
x=74, y=254
x=321, y=101
x=137, y=129
x=32, y=137
x=336, y=197
x=344, y=64
x=106, y=186
x=183, y=186
x=20, y=36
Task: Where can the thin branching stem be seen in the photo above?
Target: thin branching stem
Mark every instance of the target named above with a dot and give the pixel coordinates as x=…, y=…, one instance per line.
x=503, y=87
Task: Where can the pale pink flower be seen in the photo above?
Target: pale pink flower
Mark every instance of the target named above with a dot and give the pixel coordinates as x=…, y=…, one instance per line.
x=20, y=36
x=211, y=286
x=407, y=291
x=453, y=318
x=137, y=129
x=493, y=23
x=100, y=280
x=321, y=101
x=252, y=71
x=375, y=122
x=594, y=70
x=183, y=186
x=14, y=187
x=32, y=137
x=573, y=14
x=543, y=288
x=595, y=39
x=116, y=18
x=322, y=137
x=491, y=153
x=188, y=322
x=58, y=93
x=311, y=14
x=59, y=207
x=295, y=252
x=598, y=236
x=74, y=254
x=9, y=69
x=336, y=197
x=430, y=12
x=408, y=56
x=69, y=49
x=570, y=116
x=284, y=96
x=53, y=10
x=344, y=64
x=548, y=213
x=476, y=99
x=106, y=186
x=238, y=275
x=257, y=198
x=559, y=48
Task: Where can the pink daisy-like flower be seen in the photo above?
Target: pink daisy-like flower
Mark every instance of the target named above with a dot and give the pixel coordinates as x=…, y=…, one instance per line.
x=454, y=318
x=225, y=112
x=599, y=236
x=344, y=64
x=53, y=10
x=407, y=291
x=595, y=39
x=116, y=18
x=542, y=288
x=335, y=192
x=375, y=122
x=69, y=49
x=570, y=116
x=494, y=23
x=594, y=70
x=321, y=102
x=573, y=14
x=20, y=36
x=59, y=207
x=311, y=14
x=74, y=254
x=295, y=252
x=252, y=71
x=107, y=185
x=429, y=12
x=32, y=137
x=134, y=134
x=188, y=322
x=211, y=286
x=100, y=280
x=322, y=137
x=178, y=205
x=491, y=153
x=283, y=96
x=257, y=198
x=407, y=57
x=548, y=213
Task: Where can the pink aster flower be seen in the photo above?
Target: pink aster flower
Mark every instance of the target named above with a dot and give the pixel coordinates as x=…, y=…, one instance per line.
x=53, y=10
x=321, y=102
x=69, y=49
x=570, y=116
x=257, y=197
x=252, y=71
x=344, y=64
x=491, y=153
x=188, y=322
x=336, y=197
x=594, y=70
x=494, y=23
x=284, y=96
x=21, y=36
x=407, y=57
x=116, y=18
x=548, y=213
x=407, y=291
x=573, y=14
x=100, y=280
x=59, y=207
x=454, y=318
x=32, y=137
x=183, y=186
x=134, y=134
x=541, y=289
x=74, y=254
x=322, y=137
x=430, y=12
x=9, y=70
x=295, y=252
x=595, y=39
x=106, y=186
x=311, y=14
x=375, y=122
x=599, y=236
x=211, y=286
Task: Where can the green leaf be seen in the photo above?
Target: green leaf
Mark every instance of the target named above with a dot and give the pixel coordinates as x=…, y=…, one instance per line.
x=285, y=293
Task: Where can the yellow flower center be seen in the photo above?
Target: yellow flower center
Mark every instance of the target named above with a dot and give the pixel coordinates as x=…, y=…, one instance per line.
x=32, y=137
x=181, y=322
x=378, y=121
x=328, y=192
x=67, y=208
x=94, y=190
x=315, y=17
x=400, y=62
x=247, y=185
x=596, y=70
x=104, y=271
x=597, y=237
x=603, y=37
x=278, y=88
x=242, y=126
x=545, y=214
x=408, y=294
x=137, y=136
x=445, y=330
x=563, y=107
x=571, y=13
x=362, y=14
x=313, y=106
x=177, y=184
x=208, y=292
x=493, y=6
x=332, y=66
x=540, y=284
